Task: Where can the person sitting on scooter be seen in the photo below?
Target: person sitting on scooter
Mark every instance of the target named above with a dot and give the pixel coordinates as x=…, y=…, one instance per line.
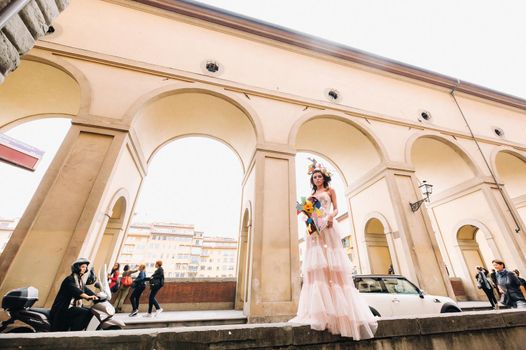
x=67, y=312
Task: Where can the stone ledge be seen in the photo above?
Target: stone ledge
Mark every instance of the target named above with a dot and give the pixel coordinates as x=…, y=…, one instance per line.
x=22, y=29
x=481, y=330
x=18, y=34
x=34, y=20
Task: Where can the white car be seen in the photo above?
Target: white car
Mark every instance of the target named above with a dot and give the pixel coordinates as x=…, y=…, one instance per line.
x=393, y=295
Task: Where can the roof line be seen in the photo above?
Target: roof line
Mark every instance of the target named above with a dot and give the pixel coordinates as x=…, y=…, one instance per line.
x=305, y=41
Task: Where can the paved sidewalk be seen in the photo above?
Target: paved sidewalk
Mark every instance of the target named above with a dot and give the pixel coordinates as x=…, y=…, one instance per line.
x=475, y=305
x=183, y=318
x=222, y=317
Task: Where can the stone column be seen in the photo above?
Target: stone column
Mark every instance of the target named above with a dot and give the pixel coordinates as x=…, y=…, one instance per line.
x=422, y=258
x=274, y=284
x=515, y=241
x=60, y=216
x=106, y=245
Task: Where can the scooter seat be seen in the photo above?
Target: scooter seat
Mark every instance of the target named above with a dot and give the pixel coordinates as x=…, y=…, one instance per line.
x=41, y=310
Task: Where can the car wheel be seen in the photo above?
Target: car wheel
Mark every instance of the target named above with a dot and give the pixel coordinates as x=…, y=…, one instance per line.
x=451, y=309
x=374, y=311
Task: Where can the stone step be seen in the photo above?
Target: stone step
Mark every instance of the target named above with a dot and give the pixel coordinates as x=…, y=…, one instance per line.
x=184, y=319
x=22, y=22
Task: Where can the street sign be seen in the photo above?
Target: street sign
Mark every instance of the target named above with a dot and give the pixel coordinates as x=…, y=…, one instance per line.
x=19, y=153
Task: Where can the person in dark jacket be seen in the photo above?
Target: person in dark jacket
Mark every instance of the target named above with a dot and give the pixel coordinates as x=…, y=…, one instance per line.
x=156, y=283
x=512, y=289
x=67, y=312
x=484, y=284
x=522, y=280
x=138, y=287
x=493, y=276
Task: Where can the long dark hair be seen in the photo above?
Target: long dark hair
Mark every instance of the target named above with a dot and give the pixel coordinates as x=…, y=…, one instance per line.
x=113, y=269
x=326, y=180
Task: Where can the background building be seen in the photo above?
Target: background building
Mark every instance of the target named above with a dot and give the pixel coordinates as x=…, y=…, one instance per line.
x=7, y=226
x=185, y=252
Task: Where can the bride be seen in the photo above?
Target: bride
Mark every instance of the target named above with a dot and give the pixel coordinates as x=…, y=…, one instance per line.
x=328, y=298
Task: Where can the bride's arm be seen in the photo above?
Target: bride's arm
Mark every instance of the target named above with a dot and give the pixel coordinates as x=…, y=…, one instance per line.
x=334, y=211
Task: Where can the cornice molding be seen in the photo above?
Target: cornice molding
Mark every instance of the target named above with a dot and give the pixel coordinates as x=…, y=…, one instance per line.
x=324, y=107
x=287, y=36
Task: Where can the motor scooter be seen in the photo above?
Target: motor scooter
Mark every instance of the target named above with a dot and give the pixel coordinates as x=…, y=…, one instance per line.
x=23, y=318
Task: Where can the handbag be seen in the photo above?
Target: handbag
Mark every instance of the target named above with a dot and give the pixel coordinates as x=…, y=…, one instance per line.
x=126, y=281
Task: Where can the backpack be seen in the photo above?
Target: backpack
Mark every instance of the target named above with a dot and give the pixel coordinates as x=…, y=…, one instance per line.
x=126, y=281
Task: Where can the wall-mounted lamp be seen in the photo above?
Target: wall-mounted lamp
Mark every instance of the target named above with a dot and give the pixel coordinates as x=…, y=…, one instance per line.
x=426, y=189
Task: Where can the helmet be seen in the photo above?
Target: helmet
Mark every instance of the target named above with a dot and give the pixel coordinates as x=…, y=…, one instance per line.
x=75, y=267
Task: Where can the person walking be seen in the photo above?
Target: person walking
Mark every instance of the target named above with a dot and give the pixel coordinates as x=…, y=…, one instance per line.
x=522, y=280
x=484, y=284
x=138, y=287
x=493, y=277
x=113, y=278
x=156, y=283
x=512, y=289
x=124, y=288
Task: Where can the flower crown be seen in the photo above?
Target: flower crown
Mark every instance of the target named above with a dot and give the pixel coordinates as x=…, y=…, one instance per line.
x=314, y=165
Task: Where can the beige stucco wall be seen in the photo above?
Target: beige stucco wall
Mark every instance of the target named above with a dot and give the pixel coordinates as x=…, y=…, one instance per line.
x=58, y=93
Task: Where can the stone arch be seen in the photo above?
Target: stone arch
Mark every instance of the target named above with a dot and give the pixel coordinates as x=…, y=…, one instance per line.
x=475, y=247
x=244, y=258
x=510, y=169
x=381, y=217
x=448, y=157
x=234, y=150
x=51, y=85
x=194, y=111
x=349, y=145
x=329, y=160
x=379, y=244
x=75, y=73
x=107, y=243
x=30, y=118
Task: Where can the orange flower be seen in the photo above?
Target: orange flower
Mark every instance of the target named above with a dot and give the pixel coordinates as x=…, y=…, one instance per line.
x=308, y=207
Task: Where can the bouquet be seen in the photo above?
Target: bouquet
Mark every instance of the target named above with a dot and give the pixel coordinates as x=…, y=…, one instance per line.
x=312, y=208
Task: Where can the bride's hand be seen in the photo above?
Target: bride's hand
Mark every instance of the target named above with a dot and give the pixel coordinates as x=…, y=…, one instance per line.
x=329, y=221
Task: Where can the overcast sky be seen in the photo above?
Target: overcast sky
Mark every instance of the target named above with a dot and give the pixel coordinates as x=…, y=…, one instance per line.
x=482, y=42
x=479, y=41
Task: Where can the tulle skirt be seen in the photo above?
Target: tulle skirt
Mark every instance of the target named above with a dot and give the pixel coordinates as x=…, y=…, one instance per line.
x=328, y=298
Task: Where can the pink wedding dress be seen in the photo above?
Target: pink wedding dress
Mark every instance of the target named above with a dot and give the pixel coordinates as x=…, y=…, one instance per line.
x=328, y=298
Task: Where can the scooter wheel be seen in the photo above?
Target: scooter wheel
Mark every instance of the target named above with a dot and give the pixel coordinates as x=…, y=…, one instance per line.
x=21, y=330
